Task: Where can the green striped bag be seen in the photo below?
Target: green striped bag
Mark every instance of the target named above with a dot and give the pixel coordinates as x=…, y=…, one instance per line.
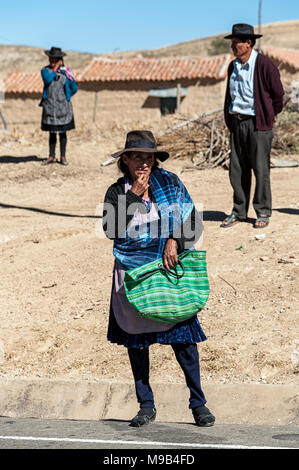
x=169, y=296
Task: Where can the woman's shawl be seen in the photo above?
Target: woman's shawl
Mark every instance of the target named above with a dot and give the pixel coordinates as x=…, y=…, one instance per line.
x=146, y=235
x=67, y=71
x=48, y=75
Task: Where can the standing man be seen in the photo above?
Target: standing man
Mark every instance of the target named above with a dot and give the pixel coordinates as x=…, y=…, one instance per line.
x=254, y=96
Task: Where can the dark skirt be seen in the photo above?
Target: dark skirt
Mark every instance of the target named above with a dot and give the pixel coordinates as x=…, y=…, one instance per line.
x=58, y=128
x=186, y=332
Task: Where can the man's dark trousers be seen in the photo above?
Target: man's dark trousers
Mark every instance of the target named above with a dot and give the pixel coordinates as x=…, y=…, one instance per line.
x=250, y=150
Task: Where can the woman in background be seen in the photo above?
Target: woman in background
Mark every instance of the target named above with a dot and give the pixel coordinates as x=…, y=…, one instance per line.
x=57, y=116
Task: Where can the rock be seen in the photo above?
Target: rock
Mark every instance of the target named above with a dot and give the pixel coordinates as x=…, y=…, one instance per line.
x=286, y=261
x=260, y=236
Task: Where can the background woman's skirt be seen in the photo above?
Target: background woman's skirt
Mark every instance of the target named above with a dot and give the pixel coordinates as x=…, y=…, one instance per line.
x=58, y=127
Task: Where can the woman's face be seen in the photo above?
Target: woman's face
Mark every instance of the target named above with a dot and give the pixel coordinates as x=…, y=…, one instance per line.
x=139, y=163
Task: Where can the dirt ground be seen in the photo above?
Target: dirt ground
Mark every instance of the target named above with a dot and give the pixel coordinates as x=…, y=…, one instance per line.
x=56, y=270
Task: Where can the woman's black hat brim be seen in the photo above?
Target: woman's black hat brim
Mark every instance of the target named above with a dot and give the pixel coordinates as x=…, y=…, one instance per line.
x=162, y=156
x=61, y=54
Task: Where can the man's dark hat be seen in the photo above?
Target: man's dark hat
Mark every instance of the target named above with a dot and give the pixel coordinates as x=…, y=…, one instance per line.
x=241, y=30
x=55, y=52
x=141, y=141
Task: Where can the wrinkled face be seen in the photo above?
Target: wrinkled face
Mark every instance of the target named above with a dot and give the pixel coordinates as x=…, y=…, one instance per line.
x=139, y=163
x=240, y=48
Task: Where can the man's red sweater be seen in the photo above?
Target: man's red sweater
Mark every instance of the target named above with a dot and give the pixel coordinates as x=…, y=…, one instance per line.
x=268, y=93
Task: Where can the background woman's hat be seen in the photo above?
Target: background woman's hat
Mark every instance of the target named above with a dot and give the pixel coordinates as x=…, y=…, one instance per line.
x=241, y=30
x=55, y=52
x=141, y=141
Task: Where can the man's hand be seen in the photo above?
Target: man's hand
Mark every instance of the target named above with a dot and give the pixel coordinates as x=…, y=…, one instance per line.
x=170, y=254
x=140, y=185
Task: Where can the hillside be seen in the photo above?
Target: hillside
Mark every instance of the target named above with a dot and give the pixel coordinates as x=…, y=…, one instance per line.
x=283, y=34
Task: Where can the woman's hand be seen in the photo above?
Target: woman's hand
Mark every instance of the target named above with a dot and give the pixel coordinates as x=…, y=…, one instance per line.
x=57, y=65
x=140, y=185
x=170, y=254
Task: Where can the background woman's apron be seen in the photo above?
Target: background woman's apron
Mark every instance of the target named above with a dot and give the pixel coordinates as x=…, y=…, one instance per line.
x=57, y=111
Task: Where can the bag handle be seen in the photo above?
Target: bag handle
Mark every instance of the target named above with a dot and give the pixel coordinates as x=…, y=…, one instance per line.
x=162, y=268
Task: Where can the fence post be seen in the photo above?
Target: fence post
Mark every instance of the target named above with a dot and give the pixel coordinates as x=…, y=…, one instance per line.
x=178, y=97
x=95, y=106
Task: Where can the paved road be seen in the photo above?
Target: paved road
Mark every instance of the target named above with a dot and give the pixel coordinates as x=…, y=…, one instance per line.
x=117, y=434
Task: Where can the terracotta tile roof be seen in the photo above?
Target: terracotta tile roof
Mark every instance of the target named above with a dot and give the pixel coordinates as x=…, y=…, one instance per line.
x=23, y=82
x=162, y=69
x=288, y=57
x=28, y=83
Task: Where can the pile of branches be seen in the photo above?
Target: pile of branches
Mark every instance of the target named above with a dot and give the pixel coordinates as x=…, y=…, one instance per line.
x=203, y=141
x=286, y=135
x=286, y=129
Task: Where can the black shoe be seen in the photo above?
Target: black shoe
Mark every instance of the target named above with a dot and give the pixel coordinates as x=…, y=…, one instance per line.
x=144, y=416
x=202, y=416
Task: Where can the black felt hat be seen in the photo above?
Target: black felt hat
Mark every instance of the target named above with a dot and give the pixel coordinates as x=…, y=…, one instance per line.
x=55, y=52
x=141, y=141
x=242, y=30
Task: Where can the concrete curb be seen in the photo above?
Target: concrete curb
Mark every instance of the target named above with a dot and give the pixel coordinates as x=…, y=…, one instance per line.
x=87, y=400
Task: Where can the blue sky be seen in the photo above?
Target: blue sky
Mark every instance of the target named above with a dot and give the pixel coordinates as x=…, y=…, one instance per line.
x=105, y=26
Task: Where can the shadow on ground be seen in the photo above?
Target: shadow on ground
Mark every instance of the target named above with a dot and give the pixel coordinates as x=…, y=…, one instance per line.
x=14, y=159
x=44, y=211
x=288, y=210
x=219, y=216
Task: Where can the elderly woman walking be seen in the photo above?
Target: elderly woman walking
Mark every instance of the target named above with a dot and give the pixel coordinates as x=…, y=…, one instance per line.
x=57, y=115
x=135, y=244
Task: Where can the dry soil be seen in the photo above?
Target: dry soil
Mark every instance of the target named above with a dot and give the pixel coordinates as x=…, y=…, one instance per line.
x=56, y=269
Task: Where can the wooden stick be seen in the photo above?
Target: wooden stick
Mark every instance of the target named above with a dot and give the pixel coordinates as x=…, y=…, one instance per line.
x=185, y=123
x=211, y=142
x=228, y=283
x=4, y=121
x=110, y=161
